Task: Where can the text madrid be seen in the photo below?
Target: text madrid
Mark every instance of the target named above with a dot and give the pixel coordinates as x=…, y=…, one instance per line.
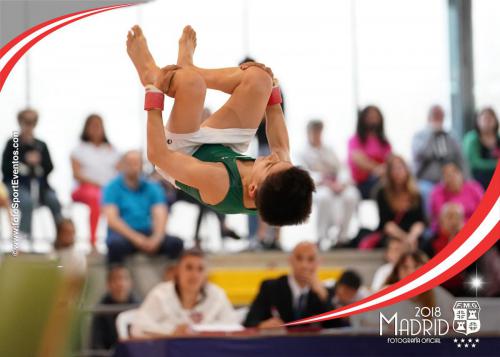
x=413, y=327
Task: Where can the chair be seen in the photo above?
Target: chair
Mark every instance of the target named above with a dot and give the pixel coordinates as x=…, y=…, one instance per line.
x=123, y=322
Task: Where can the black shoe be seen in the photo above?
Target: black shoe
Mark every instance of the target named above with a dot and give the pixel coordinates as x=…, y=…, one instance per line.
x=226, y=232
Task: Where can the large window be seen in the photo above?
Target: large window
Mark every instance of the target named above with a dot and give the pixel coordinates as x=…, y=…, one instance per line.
x=330, y=56
x=403, y=62
x=486, y=27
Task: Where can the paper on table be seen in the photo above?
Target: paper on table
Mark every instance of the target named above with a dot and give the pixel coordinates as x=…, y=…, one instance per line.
x=217, y=327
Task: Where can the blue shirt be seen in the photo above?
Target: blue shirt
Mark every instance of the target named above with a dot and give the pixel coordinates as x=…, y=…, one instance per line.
x=134, y=205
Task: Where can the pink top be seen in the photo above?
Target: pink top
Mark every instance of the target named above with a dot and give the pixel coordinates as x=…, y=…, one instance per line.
x=469, y=198
x=373, y=148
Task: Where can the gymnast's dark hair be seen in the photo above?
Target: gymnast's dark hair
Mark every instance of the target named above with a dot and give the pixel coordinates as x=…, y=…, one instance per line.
x=84, y=136
x=285, y=197
x=362, y=128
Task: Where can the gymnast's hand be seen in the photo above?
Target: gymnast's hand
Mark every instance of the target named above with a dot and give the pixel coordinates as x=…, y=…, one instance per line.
x=262, y=66
x=164, y=79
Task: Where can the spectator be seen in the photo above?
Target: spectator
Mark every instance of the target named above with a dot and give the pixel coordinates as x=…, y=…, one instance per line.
x=482, y=146
x=395, y=248
x=94, y=163
x=347, y=289
x=399, y=205
x=119, y=292
x=296, y=295
x=175, y=307
x=407, y=264
x=72, y=261
x=35, y=165
x=432, y=147
x=136, y=213
x=451, y=221
x=336, y=198
x=368, y=150
x=454, y=188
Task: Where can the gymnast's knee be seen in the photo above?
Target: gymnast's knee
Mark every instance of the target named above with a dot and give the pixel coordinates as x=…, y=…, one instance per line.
x=187, y=80
x=259, y=80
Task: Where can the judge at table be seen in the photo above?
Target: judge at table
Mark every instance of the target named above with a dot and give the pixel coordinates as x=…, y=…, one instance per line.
x=177, y=307
x=294, y=296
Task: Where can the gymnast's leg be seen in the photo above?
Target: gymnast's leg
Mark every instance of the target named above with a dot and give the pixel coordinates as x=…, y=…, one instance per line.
x=249, y=89
x=187, y=86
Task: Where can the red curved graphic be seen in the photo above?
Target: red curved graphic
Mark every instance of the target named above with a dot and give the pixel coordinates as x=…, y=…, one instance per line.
x=15, y=58
x=490, y=198
x=28, y=32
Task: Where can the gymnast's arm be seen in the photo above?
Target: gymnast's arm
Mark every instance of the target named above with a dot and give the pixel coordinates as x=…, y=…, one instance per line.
x=183, y=168
x=277, y=133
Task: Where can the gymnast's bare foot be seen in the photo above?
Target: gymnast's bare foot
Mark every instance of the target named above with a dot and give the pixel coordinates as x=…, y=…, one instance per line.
x=138, y=51
x=187, y=45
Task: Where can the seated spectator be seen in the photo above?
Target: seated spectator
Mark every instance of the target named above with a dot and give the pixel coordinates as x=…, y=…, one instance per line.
x=336, y=199
x=119, y=292
x=35, y=165
x=431, y=148
x=454, y=188
x=94, y=163
x=395, y=248
x=399, y=206
x=437, y=297
x=482, y=147
x=451, y=221
x=347, y=289
x=72, y=261
x=294, y=296
x=137, y=214
x=368, y=150
x=174, y=307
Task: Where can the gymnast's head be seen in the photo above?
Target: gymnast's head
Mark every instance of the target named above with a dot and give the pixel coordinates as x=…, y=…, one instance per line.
x=282, y=192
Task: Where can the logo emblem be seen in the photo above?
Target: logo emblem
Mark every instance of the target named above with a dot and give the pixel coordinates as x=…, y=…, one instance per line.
x=466, y=317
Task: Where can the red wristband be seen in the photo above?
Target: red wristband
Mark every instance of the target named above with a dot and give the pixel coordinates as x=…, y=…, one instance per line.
x=154, y=98
x=275, y=97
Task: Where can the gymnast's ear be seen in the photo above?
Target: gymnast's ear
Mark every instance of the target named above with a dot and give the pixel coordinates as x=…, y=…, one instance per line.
x=252, y=190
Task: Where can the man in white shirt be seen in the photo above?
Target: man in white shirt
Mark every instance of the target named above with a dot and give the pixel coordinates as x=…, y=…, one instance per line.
x=336, y=199
x=180, y=306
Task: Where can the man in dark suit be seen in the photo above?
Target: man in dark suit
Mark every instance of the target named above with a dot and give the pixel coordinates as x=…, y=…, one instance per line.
x=294, y=296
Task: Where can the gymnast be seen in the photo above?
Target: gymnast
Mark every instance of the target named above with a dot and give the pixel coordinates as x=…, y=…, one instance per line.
x=203, y=157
